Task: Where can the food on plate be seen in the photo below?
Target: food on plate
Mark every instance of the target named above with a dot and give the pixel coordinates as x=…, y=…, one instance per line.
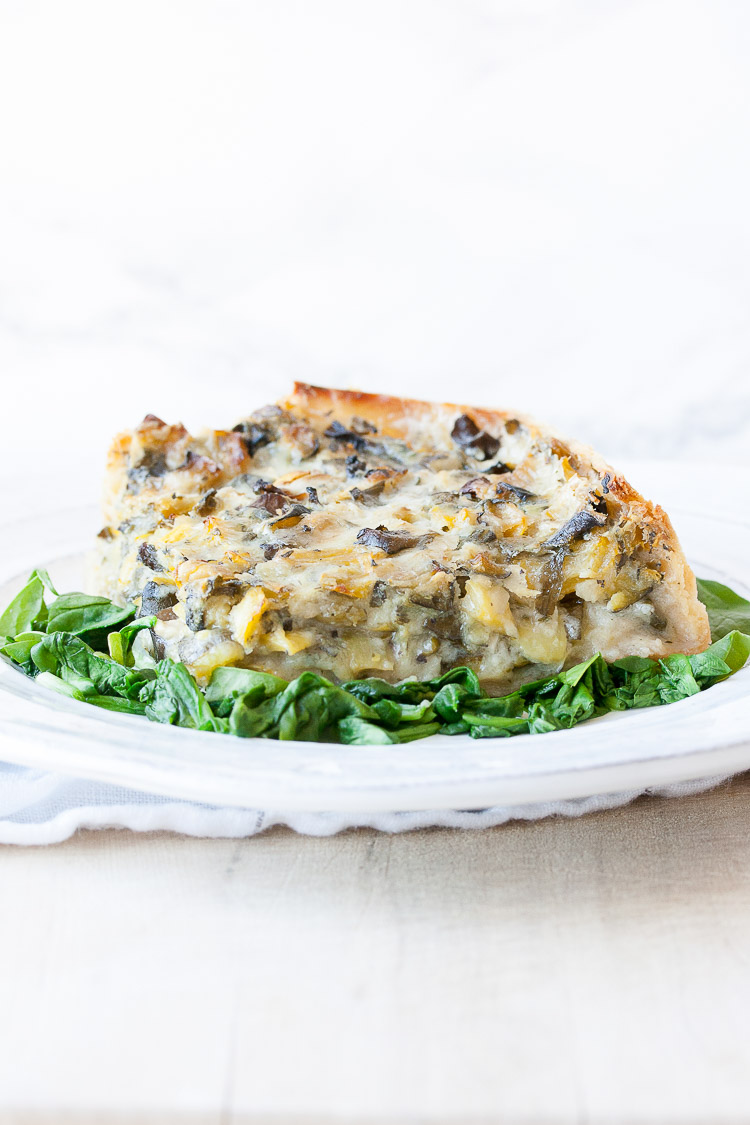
x=83, y=646
x=364, y=569
x=356, y=536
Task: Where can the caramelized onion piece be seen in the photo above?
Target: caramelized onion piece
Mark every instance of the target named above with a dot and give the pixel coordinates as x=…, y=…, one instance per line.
x=474, y=441
x=157, y=601
x=512, y=492
x=392, y=541
x=368, y=496
x=577, y=525
x=253, y=436
x=147, y=555
x=273, y=501
x=551, y=580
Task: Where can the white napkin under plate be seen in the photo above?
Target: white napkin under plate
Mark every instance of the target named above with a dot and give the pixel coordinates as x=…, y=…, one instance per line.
x=38, y=807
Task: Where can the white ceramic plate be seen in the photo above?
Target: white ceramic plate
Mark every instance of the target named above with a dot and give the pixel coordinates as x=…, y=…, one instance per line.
x=705, y=735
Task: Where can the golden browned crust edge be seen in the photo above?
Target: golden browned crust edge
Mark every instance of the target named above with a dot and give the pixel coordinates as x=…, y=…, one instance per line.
x=395, y=416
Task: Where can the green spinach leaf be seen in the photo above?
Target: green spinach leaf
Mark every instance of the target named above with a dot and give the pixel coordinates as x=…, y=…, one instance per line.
x=677, y=681
x=355, y=731
x=721, y=659
x=88, y=617
x=120, y=643
x=27, y=609
x=392, y=713
x=727, y=611
x=117, y=703
x=229, y=684
x=19, y=650
x=71, y=659
x=55, y=683
x=306, y=709
x=174, y=697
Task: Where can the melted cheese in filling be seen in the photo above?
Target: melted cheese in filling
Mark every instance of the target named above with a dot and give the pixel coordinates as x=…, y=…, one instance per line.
x=300, y=542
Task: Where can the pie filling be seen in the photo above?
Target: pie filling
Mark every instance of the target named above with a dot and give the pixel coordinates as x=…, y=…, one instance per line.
x=321, y=540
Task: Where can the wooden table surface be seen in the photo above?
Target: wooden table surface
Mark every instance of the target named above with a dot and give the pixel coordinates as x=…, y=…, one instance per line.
x=592, y=970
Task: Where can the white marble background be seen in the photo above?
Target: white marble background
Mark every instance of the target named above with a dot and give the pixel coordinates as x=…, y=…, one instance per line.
x=543, y=204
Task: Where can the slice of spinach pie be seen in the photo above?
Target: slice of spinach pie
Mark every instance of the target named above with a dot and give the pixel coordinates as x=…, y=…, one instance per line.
x=357, y=534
